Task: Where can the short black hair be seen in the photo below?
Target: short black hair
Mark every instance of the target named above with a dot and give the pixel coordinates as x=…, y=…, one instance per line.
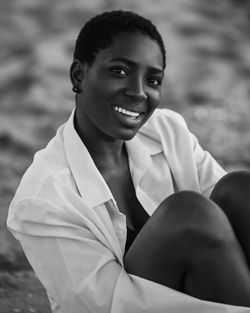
x=99, y=32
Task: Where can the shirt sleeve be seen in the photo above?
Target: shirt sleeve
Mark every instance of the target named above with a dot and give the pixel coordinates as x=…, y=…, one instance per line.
x=76, y=269
x=209, y=170
x=189, y=153
x=82, y=275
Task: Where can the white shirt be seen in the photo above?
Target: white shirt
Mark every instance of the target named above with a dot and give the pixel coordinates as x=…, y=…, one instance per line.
x=73, y=234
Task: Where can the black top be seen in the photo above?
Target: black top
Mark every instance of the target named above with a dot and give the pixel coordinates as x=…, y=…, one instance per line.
x=141, y=216
x=131, y=235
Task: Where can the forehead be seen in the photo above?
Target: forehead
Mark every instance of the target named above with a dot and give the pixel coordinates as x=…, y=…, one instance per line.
x=137, y=47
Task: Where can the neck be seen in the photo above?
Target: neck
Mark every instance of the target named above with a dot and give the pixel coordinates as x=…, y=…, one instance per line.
x=106, y=152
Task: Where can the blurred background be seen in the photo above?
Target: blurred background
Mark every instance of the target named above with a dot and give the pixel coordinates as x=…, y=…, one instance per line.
x=207, y=81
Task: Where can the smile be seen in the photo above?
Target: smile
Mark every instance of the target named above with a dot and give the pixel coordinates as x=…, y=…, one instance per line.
x=126, y=112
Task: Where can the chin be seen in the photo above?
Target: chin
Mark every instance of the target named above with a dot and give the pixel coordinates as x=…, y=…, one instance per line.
x=127, y=135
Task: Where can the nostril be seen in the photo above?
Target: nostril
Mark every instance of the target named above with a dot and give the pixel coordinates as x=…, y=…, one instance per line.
x=136, y=96
x=139, y=98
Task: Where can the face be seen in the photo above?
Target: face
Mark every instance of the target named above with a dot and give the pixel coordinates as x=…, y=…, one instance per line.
x=121, y=89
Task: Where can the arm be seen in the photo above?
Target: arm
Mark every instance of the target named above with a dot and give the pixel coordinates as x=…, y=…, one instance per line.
x=209, y=171
x=77, y=271
x=192, y=166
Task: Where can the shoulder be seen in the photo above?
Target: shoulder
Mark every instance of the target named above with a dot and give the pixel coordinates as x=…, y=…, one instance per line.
x=46, y=191
x=49, y=164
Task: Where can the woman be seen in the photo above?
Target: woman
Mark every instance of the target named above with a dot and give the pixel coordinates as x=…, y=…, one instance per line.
x=114, y=214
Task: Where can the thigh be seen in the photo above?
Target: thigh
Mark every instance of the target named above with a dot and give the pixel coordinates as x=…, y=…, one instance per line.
x=155, y=254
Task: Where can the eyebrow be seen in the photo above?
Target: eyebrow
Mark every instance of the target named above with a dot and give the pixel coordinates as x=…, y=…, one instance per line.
x=130, y=62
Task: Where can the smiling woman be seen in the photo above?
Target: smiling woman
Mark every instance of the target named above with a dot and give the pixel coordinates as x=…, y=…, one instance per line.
x=114, y=214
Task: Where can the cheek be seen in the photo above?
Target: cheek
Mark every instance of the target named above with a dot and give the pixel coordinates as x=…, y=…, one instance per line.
x=102, y=90
x=155, y=98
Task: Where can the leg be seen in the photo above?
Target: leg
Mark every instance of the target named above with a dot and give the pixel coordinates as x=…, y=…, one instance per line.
x=188, y=244
x=232, y=194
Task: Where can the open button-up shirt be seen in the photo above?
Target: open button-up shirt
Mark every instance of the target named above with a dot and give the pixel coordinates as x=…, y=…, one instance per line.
x=73, y=234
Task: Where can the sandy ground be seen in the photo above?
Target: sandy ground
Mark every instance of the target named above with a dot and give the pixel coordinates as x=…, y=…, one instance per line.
x=21, y=292
x=207, y=80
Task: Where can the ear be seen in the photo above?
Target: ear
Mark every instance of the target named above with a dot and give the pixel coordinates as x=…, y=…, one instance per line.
x=76, y=73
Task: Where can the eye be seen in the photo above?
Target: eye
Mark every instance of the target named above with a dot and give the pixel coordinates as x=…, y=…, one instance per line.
x=155, y=81
x=121, y=71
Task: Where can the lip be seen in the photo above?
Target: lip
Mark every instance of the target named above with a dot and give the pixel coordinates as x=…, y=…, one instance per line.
x=127, y=120
x=133, y=108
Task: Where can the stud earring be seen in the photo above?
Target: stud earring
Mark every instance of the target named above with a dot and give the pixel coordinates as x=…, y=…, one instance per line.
x=76, y=89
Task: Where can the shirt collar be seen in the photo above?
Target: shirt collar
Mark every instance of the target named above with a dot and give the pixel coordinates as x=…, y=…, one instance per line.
x=89, y=181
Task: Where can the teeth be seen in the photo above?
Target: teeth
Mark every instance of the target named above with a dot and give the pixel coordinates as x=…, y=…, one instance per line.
x=126, y=112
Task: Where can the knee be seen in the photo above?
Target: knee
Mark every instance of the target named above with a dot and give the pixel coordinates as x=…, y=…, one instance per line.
x=194, y=220
x=232, y=187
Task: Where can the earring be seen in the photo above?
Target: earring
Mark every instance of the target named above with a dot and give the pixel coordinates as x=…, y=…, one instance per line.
x=76, y=89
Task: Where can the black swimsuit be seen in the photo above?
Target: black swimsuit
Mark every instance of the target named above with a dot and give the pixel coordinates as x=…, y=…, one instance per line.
x=131, y=235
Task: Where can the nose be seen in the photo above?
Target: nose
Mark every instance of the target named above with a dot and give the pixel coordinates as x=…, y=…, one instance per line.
x=136, y=91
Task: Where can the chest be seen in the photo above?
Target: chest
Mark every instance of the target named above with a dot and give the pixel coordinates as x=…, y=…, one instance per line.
x=123, y=191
